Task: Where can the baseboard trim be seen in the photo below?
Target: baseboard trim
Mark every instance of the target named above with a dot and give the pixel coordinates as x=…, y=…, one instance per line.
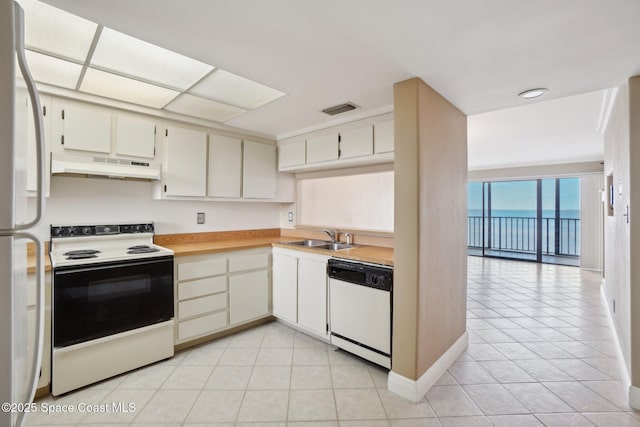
x=415, y=390
x=626, y=379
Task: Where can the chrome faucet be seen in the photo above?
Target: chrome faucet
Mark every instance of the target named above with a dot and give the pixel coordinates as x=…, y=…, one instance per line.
x=333, y=233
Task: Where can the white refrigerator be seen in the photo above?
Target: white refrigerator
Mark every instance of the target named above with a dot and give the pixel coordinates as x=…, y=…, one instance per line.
x=18, y=98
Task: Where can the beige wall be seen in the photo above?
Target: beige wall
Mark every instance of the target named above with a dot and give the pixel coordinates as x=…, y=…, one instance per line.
x=617, y=249
x=634, y=187
x=430, y=227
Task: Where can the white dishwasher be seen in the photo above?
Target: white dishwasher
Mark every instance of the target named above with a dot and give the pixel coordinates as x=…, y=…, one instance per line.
x=360, y=307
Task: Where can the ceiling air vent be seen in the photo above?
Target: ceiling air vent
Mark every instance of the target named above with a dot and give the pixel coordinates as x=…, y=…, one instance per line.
x=338, y=109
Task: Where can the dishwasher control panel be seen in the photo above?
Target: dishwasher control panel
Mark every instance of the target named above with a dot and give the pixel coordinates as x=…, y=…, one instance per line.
x=370, y=275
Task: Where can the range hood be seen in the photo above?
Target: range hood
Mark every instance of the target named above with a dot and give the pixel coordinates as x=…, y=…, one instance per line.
x=108, y=167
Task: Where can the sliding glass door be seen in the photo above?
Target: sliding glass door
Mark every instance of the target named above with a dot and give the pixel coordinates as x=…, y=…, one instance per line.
x=533, y=220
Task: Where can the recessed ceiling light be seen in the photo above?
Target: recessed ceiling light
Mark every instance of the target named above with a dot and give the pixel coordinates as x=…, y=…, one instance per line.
x=533, y=93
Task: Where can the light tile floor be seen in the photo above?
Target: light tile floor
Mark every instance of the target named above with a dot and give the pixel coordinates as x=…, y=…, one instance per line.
x=540, y=353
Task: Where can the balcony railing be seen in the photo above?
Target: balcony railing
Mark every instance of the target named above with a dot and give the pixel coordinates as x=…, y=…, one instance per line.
x=519, y=234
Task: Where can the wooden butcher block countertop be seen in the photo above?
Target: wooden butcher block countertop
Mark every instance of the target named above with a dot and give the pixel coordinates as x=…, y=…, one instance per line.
x=206, y=243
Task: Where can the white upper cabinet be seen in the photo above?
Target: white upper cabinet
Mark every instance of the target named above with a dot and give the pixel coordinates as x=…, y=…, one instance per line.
x=322, y=148
x=225, y=166
x=86, y=128
x=292, y=154
x=259, y=171
x=135, y=136
x=364, y=142
x=383, y=137
x=356, y=142
x=184, y=167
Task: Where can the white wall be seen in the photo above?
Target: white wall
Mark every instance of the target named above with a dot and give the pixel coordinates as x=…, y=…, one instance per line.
x=95, y=200
x=617, y=274
x=352, y=202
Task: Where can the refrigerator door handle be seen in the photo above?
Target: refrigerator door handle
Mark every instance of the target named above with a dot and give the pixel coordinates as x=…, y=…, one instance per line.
x=36, y=109
x=37, y=355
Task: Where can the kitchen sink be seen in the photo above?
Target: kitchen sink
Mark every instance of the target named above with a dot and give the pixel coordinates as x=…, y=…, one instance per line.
x=339, y=246
x=321, y=244
x=310, y=243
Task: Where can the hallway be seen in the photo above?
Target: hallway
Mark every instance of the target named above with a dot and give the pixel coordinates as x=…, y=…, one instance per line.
x=541, y=351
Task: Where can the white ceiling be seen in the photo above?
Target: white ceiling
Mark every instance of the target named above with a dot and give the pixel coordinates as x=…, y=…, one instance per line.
x=477, y=54
x=562, y=130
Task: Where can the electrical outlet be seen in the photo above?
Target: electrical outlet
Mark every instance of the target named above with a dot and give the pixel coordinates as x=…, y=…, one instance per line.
x=290, y=216
x=200, y=217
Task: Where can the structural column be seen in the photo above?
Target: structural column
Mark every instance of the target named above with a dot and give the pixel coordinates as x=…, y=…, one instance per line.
x=430, y=230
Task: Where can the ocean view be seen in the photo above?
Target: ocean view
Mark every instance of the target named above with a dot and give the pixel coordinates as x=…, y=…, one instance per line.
x=547, y=213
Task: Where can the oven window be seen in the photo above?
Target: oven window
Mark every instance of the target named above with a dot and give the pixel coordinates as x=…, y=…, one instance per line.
x=103, y=290
x=95, y=301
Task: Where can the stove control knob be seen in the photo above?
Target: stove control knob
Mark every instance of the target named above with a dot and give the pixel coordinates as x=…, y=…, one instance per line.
x=71, y=231
x=148, y=228
x=57, y=231
x=86, y=231
x=375, y=280
x=138, y=228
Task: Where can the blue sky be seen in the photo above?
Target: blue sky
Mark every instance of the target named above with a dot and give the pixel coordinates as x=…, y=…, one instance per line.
x=521, y=195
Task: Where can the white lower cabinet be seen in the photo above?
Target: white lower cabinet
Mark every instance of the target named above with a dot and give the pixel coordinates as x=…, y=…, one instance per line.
x=285, y=285
x=45, y=370
x=312, y=294
x=248, y=296
x=300, y=289
x=216, y=291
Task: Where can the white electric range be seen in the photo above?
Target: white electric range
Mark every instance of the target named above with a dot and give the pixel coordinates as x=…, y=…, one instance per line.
x=112, y=302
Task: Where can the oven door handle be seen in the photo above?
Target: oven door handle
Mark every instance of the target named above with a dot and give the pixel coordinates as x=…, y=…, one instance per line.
x=83, y=268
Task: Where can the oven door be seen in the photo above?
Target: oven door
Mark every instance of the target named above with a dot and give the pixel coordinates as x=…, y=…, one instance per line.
x=94, y=301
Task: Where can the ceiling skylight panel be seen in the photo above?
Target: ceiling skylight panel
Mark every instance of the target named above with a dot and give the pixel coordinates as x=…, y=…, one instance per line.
x=53, y=71
x=56, y=32
x=113, y=86
x=204, y=108
x=126, y=55
x=232, y=89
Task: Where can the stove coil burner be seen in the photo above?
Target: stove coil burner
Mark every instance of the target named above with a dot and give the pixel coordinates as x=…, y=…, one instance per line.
x=81, y=254
x=142, y=249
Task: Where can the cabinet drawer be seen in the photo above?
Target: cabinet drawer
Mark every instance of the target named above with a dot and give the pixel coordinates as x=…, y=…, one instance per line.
x=248, y=262
x=202, y=325
x=197, y=288
x=196, y=270
x=202, y=305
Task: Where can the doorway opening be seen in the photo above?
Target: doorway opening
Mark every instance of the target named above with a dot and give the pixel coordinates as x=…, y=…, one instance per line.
x=533, y=220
